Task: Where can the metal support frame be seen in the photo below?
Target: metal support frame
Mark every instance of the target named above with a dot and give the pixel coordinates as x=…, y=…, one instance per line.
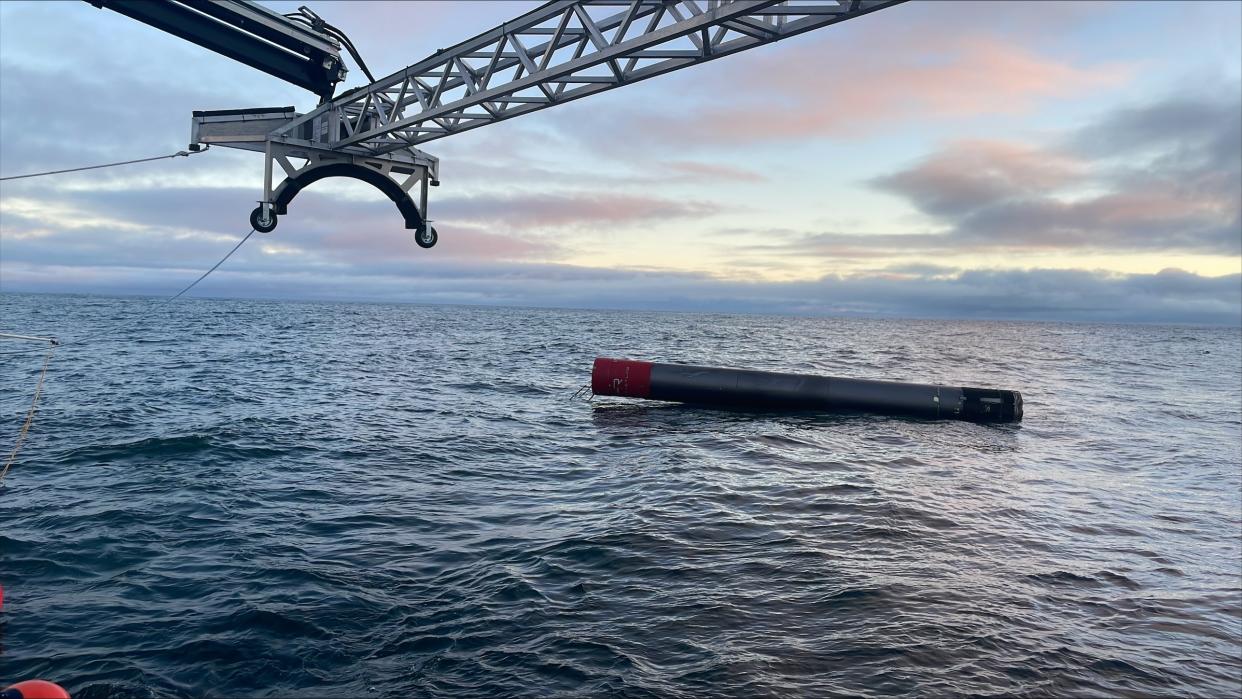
x=319, y=164
x=564, y=50
x=395, y=173
x=559, y=52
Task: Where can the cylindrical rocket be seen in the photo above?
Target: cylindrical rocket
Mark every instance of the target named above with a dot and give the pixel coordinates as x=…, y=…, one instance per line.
x=770, y=390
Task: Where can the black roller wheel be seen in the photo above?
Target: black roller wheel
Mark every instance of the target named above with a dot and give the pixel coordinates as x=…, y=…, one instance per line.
x=426, y=237
x=259, y=224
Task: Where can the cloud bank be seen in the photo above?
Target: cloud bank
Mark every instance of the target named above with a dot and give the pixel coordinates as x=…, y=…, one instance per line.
x=1163, y=176
x=1171, y=296
x=696, y=165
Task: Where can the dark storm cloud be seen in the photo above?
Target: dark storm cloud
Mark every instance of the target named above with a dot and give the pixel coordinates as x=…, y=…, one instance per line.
x=1164, y=176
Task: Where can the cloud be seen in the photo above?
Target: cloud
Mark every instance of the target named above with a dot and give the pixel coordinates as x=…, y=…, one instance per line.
x=40, y=132
x=947, y=76
x=392, y=34
x=710, y=172
x=457, y=241
x=851, y=245
x=68, y=100
x=959, y=178
x=1203, y=128
x=1170, y=296
x=567, y=209
x=845, y=85
x=120, y=226
x=1163, y=176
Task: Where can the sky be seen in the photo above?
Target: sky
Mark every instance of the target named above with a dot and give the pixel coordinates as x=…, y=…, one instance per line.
x=1046, y=161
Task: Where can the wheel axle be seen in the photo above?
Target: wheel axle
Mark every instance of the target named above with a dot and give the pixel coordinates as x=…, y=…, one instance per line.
x=263, y=221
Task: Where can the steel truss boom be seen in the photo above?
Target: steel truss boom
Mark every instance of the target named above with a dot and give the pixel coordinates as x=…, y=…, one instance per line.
x=561, y=51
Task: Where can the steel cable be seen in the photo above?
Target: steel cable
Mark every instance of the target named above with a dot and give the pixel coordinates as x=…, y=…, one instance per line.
x=174, y=297
x=178, y=154
x=34, y=403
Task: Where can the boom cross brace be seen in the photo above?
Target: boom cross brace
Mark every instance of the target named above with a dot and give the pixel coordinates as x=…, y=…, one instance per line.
x=556, y=53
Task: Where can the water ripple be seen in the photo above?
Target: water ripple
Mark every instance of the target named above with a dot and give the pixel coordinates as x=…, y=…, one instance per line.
x=286, y=499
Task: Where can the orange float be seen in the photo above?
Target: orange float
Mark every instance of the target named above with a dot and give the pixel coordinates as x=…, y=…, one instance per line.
x=34, y=689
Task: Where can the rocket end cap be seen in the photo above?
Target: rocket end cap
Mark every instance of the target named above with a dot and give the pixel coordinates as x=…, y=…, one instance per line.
x=991, y=405
x=621, y=377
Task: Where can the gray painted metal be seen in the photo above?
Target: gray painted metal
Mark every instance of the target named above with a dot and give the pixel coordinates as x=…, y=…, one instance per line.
x=410, y=170
x=561, y=51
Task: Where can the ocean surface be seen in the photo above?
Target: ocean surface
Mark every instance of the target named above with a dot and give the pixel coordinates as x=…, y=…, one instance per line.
x=248, y=498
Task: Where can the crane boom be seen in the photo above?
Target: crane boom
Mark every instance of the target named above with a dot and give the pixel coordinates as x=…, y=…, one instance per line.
x=247, y=32
x=561, y=51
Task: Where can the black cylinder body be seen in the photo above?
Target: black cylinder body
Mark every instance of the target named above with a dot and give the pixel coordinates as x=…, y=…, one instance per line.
x=770, y=390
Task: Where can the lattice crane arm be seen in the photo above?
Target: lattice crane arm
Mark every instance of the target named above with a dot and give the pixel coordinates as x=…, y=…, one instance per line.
x=561, y=51
x=564, y=50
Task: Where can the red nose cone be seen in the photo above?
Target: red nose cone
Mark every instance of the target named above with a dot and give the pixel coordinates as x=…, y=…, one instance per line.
x=621, y=377
x=39, y=689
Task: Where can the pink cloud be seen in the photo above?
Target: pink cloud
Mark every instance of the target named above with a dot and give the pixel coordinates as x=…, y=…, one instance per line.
x=457, y=241
x=943, y=77
x=909, y=63
x=711, y=172
x=855, y=81
x=484, y=227
x=1167, y=179
x=555, y=210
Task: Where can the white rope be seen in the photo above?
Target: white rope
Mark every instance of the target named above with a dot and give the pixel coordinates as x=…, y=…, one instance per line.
x=11, y=336
x=54, y=343
x=34, y=403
